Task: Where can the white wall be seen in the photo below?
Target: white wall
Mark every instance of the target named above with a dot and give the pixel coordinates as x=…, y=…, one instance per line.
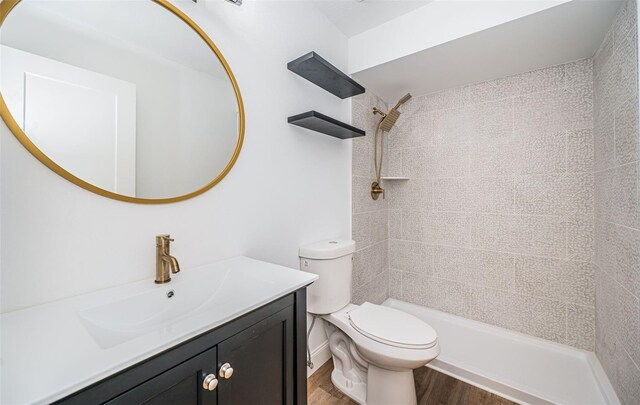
x=289, y=186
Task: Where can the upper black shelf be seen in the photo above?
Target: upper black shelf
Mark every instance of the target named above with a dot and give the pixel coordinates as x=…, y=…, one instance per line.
x=315, y=121
x=322, y=73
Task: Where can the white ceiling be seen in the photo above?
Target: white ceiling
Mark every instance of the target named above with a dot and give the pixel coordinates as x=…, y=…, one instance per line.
x=353, y=17
x=560, y=34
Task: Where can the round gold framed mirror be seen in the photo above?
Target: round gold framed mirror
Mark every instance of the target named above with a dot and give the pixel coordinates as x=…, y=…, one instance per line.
x=130, y=100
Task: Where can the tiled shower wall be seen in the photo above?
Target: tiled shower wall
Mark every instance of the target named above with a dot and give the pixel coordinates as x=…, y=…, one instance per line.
x=496, y=220
x=617, y=205
x=370, y=218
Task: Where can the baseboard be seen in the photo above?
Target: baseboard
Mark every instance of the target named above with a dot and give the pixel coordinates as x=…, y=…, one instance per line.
x=319, y=356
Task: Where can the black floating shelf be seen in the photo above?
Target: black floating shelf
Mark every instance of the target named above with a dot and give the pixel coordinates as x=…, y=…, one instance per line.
x=315, y=121
x=322, y=73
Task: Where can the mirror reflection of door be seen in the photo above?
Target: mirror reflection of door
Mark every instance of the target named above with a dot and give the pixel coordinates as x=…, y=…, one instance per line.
x=124, y=95
x=83, y=120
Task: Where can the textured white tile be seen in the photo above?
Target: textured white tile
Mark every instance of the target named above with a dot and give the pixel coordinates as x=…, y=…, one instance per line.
x=497, y=157
x=362, y=158
x=395, y=284
x=417, y=163
x=498, y=89
x=415, y=289
x=618, y=78
x=579, y=73
x=542, y=318
x=415, y=225
x=603, y=56
x=543, y=152
x=481, y=121
x=482, y=194
x=379, y=224
x=495, y=307
x=450, y=98
x=557, y=110
x=618, y=254
x=580, y=153
x=415, y=194
x=447, y=228
x=529, y=235
x=409, y=256
x=369, y=262
x=393, y=161
x=604, y=141
x=445, y=295
x=559, y=194
x=534, y=316
x=625, y=21
x=375, y=291
x=361, y=267
x=580, y=327
x=550, y=78
x=616, y=195
x=361, y=229
x=606, y=340
x=559, y=280
x=395, y=224
x=628, y=325
x=627, y=136
x=580, y=238
x=449, y=160
x=476, y=267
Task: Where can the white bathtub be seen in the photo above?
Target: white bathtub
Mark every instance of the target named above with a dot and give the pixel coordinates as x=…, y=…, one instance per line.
x=515, y=366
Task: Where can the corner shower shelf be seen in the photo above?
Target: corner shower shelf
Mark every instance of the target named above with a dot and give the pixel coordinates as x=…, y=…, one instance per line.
x=315, y=121
x=322, y=73
x=394, y=178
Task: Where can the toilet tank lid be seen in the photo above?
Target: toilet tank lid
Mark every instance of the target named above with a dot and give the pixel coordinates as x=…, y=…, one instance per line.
x=328, y=249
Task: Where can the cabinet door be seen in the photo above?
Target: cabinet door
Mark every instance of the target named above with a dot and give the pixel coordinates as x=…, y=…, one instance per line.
x=181, y=384
x=262, y=358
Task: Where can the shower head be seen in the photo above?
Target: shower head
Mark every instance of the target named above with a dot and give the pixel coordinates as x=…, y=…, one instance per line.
x=392, y=116
x=403, y=100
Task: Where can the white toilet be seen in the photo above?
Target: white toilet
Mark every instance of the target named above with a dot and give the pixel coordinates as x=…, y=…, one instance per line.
x=374, y=348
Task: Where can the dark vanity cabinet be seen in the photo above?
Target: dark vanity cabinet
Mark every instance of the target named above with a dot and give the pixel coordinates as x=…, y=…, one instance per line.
x=265, y=349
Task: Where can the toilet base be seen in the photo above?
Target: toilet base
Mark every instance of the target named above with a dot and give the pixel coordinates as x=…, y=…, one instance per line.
x=354, y=390
x=366, y=383
x=386, y=387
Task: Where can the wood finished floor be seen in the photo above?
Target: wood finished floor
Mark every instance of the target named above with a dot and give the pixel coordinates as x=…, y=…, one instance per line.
x=432, y=388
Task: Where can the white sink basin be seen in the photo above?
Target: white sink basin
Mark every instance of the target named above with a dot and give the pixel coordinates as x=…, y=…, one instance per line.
x=191, y=295
x=155, y=310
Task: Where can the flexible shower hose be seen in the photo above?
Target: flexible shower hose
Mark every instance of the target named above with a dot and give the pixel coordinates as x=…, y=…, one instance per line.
x=378, y=167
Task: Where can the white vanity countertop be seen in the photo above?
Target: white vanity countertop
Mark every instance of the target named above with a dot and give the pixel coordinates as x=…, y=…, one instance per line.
x=52, y=350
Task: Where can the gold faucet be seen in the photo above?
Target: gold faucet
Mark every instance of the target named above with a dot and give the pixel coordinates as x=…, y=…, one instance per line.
x=164, y=261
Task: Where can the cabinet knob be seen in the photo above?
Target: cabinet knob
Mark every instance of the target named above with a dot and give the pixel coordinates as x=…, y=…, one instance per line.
x=210, y=382
x=226, y=371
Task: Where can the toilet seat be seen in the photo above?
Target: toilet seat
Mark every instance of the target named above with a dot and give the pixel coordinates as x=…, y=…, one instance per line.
x=392, y=327
x=380, y=349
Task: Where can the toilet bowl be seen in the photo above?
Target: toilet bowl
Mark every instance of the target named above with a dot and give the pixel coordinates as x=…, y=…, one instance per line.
x=374, y=348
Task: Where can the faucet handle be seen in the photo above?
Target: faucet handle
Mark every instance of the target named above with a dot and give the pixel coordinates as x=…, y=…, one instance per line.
x=162, y=240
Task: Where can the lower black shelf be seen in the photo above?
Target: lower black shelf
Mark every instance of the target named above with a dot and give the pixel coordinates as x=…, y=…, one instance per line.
x=315, y=121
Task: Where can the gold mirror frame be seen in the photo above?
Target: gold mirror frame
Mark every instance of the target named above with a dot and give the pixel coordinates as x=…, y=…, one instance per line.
x=5, y=8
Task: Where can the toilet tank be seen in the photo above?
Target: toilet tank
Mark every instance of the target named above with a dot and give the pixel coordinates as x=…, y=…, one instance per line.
x=331, y=261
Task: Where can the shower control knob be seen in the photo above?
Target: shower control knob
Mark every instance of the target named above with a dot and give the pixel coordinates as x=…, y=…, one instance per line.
x=210, y=382
x=226, y=371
